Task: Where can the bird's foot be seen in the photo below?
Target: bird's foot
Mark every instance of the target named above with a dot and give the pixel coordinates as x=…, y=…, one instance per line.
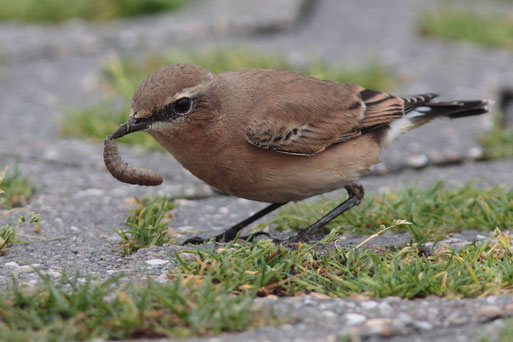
x=303, y=237
x=197, y=240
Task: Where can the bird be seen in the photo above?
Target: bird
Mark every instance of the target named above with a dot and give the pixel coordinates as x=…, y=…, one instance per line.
x=277, y=136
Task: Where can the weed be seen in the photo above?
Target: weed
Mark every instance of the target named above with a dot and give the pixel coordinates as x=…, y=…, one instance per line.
x=61, y=10
x=15, y=190
x=264, y=268
x=489, y=30
x=147, y=225
x=71, y=309
x=499, y=142
x=433, y=211
x=8, y=232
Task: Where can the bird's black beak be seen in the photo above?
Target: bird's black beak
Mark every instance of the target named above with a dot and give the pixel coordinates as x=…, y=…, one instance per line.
x=132, y=125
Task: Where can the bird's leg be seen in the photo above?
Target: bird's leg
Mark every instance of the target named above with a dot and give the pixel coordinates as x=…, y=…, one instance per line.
x=355, y=191
x=231, y=232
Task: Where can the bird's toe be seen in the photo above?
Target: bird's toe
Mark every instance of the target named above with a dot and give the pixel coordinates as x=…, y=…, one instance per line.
x=195, y=240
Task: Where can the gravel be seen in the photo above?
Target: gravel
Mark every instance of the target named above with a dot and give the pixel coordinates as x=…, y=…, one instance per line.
x=45, y=68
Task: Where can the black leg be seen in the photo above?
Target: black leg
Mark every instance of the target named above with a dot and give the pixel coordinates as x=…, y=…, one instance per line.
x=231, y=232
x=355, y=191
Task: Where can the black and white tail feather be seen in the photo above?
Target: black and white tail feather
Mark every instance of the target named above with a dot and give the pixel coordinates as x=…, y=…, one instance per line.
x=420, y=109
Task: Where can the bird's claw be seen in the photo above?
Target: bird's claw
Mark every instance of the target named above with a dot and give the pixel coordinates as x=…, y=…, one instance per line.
x=252, y=237
x=196, y=240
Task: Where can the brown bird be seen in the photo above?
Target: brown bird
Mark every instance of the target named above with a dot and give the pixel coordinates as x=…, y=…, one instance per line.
x=277, y=136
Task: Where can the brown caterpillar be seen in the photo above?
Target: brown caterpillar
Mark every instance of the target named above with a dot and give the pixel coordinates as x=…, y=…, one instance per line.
x=120, y=169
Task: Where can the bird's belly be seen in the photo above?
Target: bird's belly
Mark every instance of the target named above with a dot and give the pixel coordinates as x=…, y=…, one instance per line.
x=261, y=175
x=270, y=176
x=292, y=186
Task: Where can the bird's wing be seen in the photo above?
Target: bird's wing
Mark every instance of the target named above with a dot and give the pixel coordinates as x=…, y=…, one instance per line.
x=298, y=134
x=313, y=122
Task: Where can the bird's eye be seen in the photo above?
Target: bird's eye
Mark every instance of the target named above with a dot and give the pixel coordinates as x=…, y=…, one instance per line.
x=182, y=105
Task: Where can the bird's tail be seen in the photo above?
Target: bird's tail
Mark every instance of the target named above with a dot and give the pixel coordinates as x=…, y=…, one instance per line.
x=421, y=109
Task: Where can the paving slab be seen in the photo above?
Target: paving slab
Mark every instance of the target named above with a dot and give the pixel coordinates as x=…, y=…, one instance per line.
x=79, y=202
x=198, y=21
x=389, y=319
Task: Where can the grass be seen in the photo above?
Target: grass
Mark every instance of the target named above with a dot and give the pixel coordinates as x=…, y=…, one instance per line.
x=71, y=310
x=7, y=237
x=16, y=190
x=8, y=232
x=147, y=225
x=8, y=186
x=499, y=142
x=433, y=210
x=264, y=268
x=122, y=78
x=213, y=289
x=94, y=10
x=484, y=29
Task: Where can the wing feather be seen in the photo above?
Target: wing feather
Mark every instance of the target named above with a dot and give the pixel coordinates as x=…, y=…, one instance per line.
x=308, y=115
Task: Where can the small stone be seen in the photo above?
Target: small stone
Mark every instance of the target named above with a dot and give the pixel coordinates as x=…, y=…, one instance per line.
x=331, y=338
x=156, y=262
x=308, y=300
x=418, y=161
x=423, y=325
x=354, y=318
x=185, y=202
x=91, y=192
x=113, y=238
x=380, y=326
x=491, y=299
x=453, y=157
x=379, y=168
x=184, y=228
x=475, y=152
x=490, y=312
x=163, y=278
x=26, y=268
x=432, y=312
x=53, y=273
x=156, y=254
x=329, y=314
x=436, y=157
x=223, y=210
x=385, y=309
x=454, y=320
x=509, y=307
x=12, y=264
x=369, y=305
x=405, y=318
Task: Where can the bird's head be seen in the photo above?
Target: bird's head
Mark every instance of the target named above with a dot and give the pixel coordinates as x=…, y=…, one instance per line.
x=170, y=95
